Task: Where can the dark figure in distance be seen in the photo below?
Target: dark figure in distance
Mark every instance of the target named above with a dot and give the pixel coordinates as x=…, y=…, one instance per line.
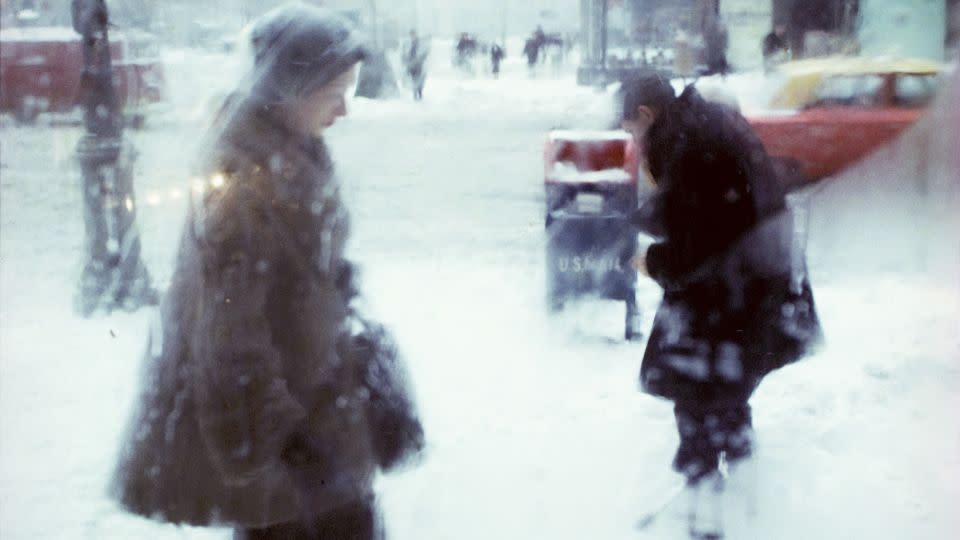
x=496, y=56
x=776, y=47
x=466, y=48
x=415, y=58
x=716, y=38
x=531, y=49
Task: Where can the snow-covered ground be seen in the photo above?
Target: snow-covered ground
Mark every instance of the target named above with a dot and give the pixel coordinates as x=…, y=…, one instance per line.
x=536, y=428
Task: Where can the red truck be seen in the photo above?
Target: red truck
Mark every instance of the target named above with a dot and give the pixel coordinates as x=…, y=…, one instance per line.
x=40, y=72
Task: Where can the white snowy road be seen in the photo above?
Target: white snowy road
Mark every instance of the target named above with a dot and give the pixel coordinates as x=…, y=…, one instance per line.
x=535, y=427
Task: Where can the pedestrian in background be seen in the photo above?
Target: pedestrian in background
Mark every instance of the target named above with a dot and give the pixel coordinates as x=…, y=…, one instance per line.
x=496, y=56
x=414, y=60
x=775, y=47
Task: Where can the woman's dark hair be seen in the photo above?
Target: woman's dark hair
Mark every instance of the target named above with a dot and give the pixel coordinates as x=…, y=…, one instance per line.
x=650, y=89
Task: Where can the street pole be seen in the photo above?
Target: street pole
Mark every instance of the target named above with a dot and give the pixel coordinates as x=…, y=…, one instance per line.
x=113, y=275
x=503, y=26
x=603, y=40
x=416, y=17
x=374, y=26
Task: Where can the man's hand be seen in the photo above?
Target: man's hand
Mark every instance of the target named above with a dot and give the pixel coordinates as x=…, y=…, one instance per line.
x=639, y=260
x=639, y=263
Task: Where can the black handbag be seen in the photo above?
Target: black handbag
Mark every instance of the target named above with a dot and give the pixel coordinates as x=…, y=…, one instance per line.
x=396, y=433
x=395, y=429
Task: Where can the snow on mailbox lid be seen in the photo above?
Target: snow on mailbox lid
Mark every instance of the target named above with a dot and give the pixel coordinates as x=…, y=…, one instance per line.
x=590, y=157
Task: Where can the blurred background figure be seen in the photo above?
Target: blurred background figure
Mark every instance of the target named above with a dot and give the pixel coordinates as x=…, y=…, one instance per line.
x=496, y=56
x=114, y=275
x=532, y=51
x=775, y=47
x=539, y=37
x=716, y=41
x=414, y=60
x=465, y=50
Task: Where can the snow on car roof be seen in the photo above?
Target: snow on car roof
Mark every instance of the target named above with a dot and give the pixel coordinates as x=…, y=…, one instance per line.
x=40, y=33
x=64, y=34
x=802, y=77
x=860, y=65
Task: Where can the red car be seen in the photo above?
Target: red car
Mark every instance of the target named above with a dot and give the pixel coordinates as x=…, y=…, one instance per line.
x=40, y=71
x=840, y=110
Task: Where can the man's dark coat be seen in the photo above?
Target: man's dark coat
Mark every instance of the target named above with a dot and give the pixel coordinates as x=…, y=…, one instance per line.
x=737, y=303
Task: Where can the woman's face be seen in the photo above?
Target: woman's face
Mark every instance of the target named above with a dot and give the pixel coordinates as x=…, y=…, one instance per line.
x=319, y=110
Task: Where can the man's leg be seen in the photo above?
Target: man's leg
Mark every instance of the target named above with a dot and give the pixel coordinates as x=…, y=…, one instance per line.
x=736, y=423
x=634, y=321
x=696, y=457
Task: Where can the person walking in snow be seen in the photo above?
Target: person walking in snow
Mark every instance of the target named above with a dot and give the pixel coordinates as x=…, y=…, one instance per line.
x=496, y=56
x=114, y=274
x=270, y=401
x=716, y=41
x=737, y=303
x=531, y=49
x=775, y=47
x=466, y=48
x=414, y=60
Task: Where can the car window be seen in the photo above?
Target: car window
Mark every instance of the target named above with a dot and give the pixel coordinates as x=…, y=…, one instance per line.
x=914, y=90
x=849, y=91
